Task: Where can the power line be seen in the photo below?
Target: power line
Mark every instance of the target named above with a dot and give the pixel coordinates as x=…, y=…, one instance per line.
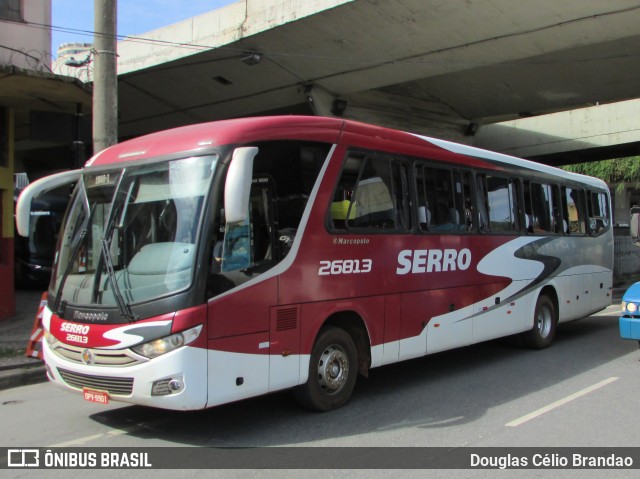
x=415, y=59
x=134, y=39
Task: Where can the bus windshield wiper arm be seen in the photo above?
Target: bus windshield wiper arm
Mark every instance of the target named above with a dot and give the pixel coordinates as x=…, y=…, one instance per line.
x=67, y=271
x=123, y=306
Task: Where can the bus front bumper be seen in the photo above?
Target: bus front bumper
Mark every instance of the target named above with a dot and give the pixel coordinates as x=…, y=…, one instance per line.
x=630, y=327
x=177, y=380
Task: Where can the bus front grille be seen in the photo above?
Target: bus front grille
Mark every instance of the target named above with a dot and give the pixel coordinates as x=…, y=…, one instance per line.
x=114, y=386
x=100, y=357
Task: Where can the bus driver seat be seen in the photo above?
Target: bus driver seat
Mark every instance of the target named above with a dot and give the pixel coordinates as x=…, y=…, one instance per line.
x=375, y=207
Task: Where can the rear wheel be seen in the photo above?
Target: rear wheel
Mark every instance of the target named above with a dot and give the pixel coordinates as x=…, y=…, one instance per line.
x=332, y=371
x=544, y=325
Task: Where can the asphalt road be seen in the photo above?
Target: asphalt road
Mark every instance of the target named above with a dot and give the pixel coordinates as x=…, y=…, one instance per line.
x=583, y=391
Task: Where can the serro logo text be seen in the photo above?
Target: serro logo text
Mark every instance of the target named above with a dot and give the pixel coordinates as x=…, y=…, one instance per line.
x=433, y=260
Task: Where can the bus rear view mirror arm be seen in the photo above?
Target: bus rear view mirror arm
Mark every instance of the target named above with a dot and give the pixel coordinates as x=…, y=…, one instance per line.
x=238, y=185
x=23, y=207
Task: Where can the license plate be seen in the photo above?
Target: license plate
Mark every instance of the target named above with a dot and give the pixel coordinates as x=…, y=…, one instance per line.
x=100, y=397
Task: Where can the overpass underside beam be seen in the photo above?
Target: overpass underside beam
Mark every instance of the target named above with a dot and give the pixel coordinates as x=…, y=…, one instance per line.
x=394, y=109
x=592, y=133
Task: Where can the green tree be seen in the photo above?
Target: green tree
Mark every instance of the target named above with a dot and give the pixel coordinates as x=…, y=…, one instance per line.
x=621, y=170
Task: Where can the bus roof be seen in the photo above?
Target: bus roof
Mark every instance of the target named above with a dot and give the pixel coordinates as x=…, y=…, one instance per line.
x=200, y=137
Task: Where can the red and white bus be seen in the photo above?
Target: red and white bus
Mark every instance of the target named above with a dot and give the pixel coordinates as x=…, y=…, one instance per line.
x=215, y=262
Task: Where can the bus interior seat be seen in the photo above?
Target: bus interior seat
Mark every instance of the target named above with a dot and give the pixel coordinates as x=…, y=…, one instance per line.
x=424, y=217
x=374, y=203
x=453, y=216
x=146, y=273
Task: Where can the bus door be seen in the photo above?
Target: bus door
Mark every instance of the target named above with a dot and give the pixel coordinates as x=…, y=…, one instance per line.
x=254, y=249
x=268, y=248
x=249, y=243
x=577, y=281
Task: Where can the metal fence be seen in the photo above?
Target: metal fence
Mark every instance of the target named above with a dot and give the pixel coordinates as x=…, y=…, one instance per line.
x=626, y=255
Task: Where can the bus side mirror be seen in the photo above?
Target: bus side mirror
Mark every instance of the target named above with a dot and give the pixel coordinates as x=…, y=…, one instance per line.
x=237, y=187
x=23, y=207
x=635, y=224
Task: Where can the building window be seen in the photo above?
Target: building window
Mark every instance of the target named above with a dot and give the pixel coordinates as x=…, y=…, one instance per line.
x=11, y=10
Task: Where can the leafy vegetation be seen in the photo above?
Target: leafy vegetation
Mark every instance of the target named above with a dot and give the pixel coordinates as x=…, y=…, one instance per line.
x=622, y=170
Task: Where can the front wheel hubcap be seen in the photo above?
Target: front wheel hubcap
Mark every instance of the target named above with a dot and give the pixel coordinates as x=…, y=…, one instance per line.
x=333, y=369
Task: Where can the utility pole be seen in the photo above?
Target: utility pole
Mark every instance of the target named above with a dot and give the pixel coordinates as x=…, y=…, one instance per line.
x=105, y=84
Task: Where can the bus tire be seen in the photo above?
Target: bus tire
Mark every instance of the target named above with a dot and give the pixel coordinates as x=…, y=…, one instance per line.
x=333, y=369
x=544, y=325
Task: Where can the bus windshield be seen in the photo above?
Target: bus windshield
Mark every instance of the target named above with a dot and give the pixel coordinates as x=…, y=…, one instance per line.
x=130, y=234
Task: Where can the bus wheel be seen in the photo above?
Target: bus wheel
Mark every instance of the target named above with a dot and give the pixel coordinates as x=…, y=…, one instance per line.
x=544, y=325
x=333, y=369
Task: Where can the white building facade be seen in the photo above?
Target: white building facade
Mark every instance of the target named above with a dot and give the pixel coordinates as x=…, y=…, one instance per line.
x=25, y=35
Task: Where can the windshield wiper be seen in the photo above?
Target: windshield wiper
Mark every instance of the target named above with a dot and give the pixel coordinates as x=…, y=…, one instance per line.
x=67, y=271
x=123, y=306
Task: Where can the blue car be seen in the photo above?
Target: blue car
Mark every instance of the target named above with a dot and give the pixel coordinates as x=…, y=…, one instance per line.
x=630, y=319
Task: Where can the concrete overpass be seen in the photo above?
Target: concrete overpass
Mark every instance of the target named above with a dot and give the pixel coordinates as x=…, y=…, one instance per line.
x=438, y=67
x=584, y=134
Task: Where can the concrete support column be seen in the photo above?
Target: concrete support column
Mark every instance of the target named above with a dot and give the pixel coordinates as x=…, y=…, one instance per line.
x=7, y=298
x=105, y=85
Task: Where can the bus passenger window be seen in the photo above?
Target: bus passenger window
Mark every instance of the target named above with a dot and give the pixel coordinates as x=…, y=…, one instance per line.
x=573, y=211
x=424, y=208
x=501, y=203
x=481, y=200
x=372, y=194
x=443, y=200
x=462, y=199
x=598, y=213
x=541, y=208
x=401, y=194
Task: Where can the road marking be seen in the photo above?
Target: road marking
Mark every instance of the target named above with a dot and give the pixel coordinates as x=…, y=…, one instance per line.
x=78, y=442
x=561, y=402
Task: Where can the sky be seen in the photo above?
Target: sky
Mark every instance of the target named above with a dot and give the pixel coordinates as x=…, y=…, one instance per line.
x=134, y=17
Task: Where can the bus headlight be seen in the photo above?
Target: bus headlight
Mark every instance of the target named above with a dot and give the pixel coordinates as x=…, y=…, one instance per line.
x=161, y=346
x=49, y=338
x=629, y=307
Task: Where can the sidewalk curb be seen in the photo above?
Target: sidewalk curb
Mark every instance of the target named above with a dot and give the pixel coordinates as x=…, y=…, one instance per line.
x=22, y=375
